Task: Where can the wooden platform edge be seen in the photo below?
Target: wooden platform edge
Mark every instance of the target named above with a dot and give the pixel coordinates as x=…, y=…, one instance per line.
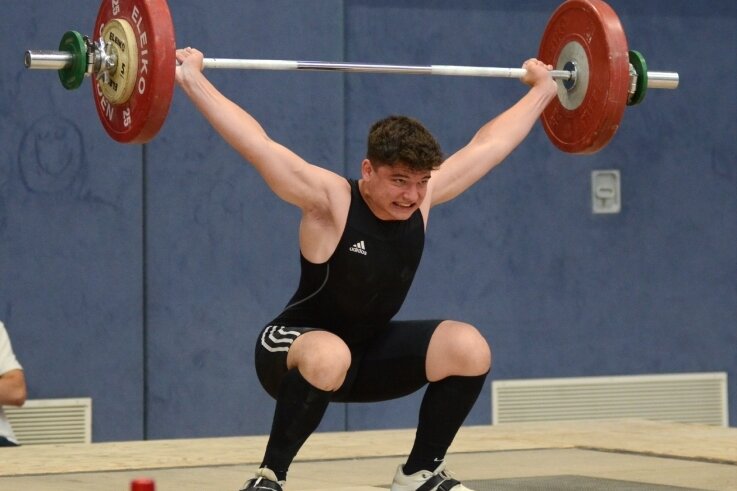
x=673, y=440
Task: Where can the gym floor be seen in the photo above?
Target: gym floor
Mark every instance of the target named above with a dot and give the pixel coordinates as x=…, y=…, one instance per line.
x=581, y=455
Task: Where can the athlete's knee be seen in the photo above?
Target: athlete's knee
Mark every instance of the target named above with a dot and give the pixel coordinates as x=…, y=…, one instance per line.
x=471, y=350
x=326, y=368
x=480, y=355
x=459, y=349
x=323, y=359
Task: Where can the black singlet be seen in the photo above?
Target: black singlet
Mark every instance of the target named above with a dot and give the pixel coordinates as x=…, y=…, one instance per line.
x=364, y=283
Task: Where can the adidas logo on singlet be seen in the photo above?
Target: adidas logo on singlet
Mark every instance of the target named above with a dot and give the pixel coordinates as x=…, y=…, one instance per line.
x=359, y=247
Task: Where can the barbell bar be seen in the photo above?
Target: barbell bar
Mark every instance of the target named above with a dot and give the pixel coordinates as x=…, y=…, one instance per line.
x=59, y=60
x=133, y=61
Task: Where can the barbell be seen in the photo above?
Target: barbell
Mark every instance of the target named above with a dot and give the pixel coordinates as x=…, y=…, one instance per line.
x=132, y=58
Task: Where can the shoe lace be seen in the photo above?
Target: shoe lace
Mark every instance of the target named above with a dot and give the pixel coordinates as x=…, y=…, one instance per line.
x=446, y=474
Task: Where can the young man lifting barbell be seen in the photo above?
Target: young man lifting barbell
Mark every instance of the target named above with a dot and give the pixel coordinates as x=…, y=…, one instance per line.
x=360, y=243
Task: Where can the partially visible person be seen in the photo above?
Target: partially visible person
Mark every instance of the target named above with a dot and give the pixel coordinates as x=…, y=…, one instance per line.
x=12, y=387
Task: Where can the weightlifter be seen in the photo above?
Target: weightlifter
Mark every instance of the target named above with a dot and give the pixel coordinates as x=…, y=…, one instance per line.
x=360, y=243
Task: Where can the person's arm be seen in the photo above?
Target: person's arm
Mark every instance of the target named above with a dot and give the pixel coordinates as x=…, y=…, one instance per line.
x=288, y=175
x=13, y=388
x=12, y=380
x=496, y=139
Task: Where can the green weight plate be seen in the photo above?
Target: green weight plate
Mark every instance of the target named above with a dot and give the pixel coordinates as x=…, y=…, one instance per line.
x=638, y=62
x=73, y=74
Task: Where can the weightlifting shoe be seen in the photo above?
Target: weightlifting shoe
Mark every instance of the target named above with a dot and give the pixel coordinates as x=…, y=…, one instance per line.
x=438, y=480
x=265, y=480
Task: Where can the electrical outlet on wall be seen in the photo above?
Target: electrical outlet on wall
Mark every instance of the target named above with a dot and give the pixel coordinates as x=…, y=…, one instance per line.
x=606, y=195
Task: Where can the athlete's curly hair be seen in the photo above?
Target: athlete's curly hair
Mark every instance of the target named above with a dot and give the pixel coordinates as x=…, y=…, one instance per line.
x=402, y=140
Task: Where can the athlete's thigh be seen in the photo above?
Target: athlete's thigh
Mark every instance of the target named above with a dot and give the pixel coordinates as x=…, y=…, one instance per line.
x=272, y=348
x=392, y=365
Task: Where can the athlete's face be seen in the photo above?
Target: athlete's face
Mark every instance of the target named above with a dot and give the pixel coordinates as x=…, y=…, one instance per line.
x=393, y=192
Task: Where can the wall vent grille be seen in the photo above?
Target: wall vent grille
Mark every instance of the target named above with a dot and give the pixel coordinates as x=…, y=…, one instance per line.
x=687, y=398
x=44, y=421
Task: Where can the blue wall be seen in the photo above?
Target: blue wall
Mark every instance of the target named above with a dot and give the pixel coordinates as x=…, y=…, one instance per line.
x=140, y=275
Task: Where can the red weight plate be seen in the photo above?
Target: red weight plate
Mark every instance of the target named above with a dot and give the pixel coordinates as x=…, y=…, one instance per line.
x=140, y=118
x=594, y=25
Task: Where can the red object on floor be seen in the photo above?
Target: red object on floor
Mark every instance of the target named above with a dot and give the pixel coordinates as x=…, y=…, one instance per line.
x=143, y=485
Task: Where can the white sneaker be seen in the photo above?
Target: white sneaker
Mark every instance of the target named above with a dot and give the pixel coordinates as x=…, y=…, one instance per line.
x=265, y=479
x=439, y=480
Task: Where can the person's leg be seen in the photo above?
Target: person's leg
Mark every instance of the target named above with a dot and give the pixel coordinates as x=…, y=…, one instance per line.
x=453, y=357
x=458, y=360
x=302, y=375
